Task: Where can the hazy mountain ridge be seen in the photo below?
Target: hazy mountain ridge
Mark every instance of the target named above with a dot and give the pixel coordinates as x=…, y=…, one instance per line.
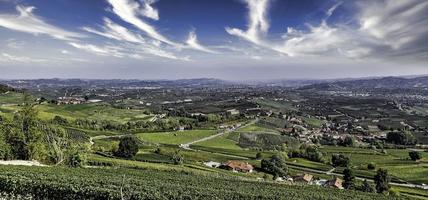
x=374, y=83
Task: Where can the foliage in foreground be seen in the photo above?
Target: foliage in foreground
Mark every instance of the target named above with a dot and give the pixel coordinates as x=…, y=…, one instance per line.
x=80, y=183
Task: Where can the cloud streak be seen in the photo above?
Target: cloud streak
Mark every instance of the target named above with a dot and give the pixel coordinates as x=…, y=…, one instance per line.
x=27, y=22
x=384, y=29
x=258, y=22
x=129, y=11
x=114, y=31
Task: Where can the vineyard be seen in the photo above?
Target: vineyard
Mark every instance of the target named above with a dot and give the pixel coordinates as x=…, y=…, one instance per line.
x=93, y=183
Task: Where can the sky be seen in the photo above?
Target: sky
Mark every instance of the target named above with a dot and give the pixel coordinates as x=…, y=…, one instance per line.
x=226, y=39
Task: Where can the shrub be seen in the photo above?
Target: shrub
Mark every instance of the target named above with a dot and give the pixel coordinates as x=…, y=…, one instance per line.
x=177, y=158
x=339, y=160
x=367, y=187
x=371, y=166
x=5, y=151
x=128, y=147
x=414, y=155
x=76, y=159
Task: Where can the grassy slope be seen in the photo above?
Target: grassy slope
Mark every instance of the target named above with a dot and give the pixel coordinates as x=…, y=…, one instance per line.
x=177, y=137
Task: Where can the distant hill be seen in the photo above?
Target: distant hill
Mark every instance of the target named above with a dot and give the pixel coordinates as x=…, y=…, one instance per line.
x=374, y=83
x=112, y=83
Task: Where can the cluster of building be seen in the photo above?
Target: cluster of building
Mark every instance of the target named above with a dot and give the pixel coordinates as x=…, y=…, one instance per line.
x=232, y=165
x=311, y=180
x=75, y=100
x=70, y=100
x=307, y=179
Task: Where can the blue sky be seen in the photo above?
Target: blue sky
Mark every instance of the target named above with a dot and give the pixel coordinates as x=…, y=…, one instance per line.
x=228, y=39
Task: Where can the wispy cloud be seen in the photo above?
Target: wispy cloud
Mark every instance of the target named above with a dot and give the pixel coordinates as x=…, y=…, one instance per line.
x=129, y=11
x=192, y=42
x=127, y=50
x=258, y=22
x=114, y=31
x=385, y=29
x=396, y=23
x=27, y=21
x=99, y=50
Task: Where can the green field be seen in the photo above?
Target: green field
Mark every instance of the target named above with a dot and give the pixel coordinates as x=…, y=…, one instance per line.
x=395, y=160
x=256, y=128
x=176, y=137
x=226, y=141
x=95, y=111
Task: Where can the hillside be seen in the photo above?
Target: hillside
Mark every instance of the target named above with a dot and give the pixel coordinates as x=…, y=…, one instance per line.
x=375, y=83
x=65, y=183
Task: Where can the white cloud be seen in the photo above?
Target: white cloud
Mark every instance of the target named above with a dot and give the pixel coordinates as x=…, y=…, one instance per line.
x=114, y=31
x=318, y=40
x=148, y=11
x=128, y=50
x=103, y=51
x=258, y=22
x=5, y=57
x=385, y=29
x=395, y=23
x=27, y=22
x=129, y=11
x=192, y=42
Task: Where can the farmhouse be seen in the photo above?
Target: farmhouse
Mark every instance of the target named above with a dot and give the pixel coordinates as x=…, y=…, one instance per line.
x=304, y=178
x=238, y=166
x=233, y=112
x=335, y=183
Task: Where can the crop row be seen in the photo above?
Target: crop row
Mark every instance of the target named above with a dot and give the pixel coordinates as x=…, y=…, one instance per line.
x=110, y=183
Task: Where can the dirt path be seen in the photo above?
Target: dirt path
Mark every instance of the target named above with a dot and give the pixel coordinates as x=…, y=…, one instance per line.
x=22, y=163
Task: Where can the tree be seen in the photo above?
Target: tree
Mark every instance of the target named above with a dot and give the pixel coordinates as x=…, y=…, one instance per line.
x=401, y=138
x=312, y=153
x=59, y=120
x=367, y=187
x=5, y=149
x=415, y=155
x=23, y=134
x=259, y=156
x=348, y=141
x=348, y=178
x=275, y=165
x=58, y=142
x=339, y=160
x=382, y=180
x=128, y=147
